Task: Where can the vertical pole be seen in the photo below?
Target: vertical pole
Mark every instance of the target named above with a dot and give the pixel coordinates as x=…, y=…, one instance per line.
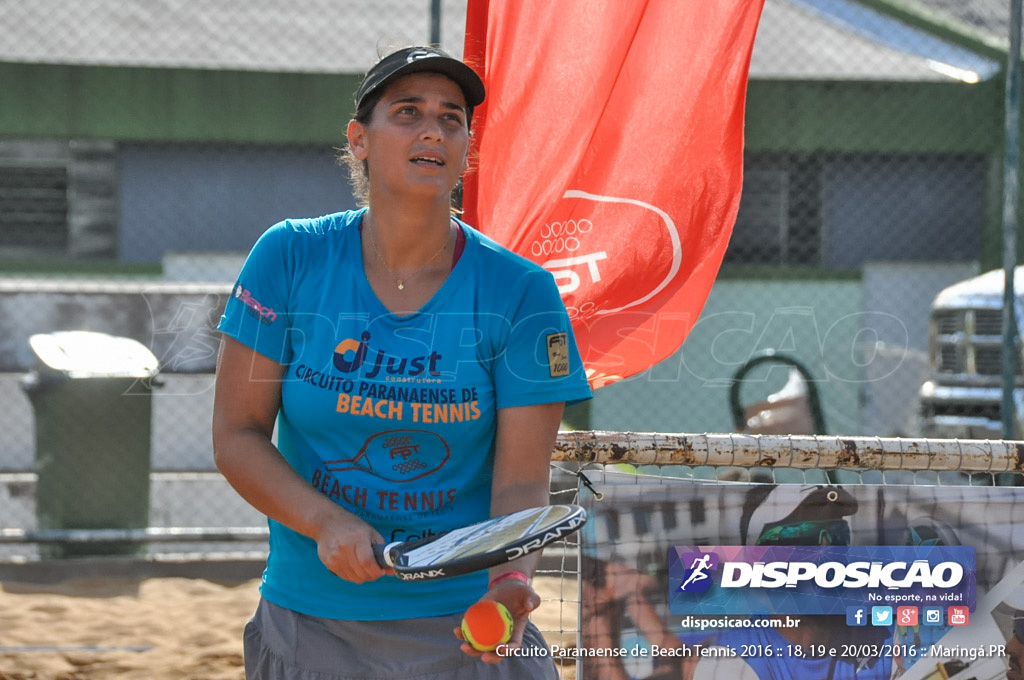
x=435, y=22
x=1011, y=166
x=475, y=54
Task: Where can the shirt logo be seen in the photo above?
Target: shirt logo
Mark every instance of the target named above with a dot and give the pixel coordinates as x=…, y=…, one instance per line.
x=265, y=314
x=351, y=354
x=558, y=355
x=397, y=456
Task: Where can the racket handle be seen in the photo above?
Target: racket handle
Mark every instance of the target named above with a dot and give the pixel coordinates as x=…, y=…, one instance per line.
x=382, y=553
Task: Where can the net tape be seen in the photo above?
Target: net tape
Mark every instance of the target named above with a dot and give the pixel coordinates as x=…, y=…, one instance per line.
x=790, y=451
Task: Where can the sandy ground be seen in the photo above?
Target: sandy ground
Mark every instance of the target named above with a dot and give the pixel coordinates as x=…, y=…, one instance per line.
x=151, y=629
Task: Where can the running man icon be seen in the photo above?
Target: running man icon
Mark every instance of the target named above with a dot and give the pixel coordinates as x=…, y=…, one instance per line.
x=700, y=565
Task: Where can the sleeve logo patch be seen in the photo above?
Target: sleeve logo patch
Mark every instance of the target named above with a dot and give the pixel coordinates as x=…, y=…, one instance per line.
x=558, y=355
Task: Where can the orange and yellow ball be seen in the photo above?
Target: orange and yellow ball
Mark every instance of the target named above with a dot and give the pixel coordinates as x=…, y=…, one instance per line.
x=486, y=625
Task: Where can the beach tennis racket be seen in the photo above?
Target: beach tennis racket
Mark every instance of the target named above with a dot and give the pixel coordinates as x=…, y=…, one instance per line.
x=481, y=545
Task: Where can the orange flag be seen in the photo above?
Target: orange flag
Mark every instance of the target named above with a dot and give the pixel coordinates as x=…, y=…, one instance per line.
x=610, y=152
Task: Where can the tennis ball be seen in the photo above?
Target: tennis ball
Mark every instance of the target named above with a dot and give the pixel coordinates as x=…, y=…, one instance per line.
x=486, y=625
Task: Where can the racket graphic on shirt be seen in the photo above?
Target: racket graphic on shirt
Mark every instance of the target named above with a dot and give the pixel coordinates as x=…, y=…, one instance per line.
x=482, y=545
x=397, y=455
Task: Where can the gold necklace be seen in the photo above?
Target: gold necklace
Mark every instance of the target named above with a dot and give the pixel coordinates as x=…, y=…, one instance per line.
x=399, y=281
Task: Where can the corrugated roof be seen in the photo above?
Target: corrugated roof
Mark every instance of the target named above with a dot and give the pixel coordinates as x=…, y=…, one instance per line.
x=796, y=41
x=990, y=16
x=312, y=36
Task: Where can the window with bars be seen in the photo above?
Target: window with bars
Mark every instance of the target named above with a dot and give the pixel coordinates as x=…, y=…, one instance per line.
x=840, y=210
x=760, y=235
x=33, y=209
x=779, y=219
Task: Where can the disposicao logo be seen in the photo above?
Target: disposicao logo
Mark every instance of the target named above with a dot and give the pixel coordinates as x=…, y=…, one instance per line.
x=817, y=579
x=697, y=577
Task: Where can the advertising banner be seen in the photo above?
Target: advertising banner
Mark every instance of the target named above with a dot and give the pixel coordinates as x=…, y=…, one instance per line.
x=743, y=581
x=609, y=151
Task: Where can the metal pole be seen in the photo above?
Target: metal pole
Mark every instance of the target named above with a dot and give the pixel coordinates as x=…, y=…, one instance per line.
x=1011, y=166
x=435, y=22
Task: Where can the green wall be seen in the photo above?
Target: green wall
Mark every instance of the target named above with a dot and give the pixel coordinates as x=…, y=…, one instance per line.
x=173, y=104
x=154, y=104
x=65, y=101
x=813, y=322
x=898, y=117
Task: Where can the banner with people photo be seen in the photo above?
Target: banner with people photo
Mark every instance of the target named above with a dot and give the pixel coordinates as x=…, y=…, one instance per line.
x=730, y=580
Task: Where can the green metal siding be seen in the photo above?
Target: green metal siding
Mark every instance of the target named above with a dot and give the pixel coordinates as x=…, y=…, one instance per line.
x=173, y=104
x=296, y=108
x=886, y=117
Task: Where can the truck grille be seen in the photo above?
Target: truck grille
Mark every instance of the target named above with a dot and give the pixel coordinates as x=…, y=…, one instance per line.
x=936, y=409
x=969, y=342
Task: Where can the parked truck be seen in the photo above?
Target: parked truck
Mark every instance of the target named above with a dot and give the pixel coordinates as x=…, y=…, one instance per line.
x=963, y=396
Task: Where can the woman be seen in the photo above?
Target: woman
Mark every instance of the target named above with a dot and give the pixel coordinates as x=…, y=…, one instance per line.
x=416, y=373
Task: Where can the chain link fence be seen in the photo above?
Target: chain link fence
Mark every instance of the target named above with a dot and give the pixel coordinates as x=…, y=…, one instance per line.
x=145, y=146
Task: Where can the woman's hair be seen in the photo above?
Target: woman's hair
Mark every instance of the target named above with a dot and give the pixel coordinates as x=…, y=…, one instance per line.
x=359, y=170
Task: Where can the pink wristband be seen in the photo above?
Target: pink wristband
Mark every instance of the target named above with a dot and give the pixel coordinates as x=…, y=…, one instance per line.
x=517, y=575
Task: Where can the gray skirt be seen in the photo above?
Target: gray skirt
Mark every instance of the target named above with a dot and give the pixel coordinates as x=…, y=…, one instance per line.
x=284, y=645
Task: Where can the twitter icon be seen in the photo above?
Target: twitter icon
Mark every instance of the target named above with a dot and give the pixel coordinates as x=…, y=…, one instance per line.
x=881, y=616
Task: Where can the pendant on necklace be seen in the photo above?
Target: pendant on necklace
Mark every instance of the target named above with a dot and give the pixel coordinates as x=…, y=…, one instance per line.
x=401, y=285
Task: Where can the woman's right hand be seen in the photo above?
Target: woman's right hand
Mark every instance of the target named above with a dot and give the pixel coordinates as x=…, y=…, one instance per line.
x=344, y=544
x=247, y=401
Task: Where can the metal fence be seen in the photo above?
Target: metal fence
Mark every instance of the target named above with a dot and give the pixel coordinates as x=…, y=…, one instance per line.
x=145, y=146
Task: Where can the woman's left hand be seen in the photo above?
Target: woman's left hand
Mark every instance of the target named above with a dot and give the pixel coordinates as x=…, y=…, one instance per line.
x=520, y=599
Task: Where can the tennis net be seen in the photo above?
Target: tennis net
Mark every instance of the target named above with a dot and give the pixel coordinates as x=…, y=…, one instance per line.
x=584, y=462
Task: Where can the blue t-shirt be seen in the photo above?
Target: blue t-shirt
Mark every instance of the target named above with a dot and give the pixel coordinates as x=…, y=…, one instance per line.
x=390, y=416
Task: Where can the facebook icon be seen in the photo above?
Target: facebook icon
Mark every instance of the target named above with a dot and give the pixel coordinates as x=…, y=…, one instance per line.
x=856, y=616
